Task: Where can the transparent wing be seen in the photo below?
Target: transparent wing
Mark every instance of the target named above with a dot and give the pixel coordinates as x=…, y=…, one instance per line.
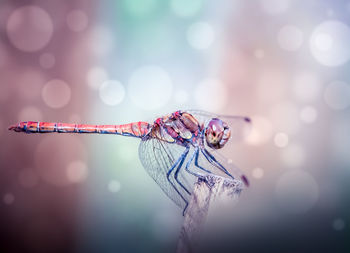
x=240, y=126
x=157, y=157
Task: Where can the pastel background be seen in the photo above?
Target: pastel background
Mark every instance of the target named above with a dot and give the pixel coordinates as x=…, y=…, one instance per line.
x=284, y=63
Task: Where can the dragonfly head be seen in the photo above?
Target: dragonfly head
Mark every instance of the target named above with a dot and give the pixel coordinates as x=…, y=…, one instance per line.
x=217, y=133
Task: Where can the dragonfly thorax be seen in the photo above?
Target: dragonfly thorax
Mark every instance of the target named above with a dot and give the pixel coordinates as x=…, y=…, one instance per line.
x=179, y=127
x=217, y=133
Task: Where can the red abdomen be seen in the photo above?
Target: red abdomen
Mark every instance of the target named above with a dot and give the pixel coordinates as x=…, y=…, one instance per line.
x=137, y=129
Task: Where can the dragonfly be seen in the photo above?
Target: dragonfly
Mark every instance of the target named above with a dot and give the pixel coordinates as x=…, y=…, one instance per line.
x=176, y=149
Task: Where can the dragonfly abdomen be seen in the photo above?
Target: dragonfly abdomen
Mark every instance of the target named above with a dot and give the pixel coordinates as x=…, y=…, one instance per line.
x=137, y=129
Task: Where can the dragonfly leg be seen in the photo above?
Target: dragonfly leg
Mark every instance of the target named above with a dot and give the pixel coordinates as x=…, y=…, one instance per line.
x=180, y=162
x=188, y=165
x=213, y=160
x=197, y=164
x=178, y=170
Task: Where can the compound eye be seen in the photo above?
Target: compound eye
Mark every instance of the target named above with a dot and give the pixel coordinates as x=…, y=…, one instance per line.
x=216, y=126
x=214, y=133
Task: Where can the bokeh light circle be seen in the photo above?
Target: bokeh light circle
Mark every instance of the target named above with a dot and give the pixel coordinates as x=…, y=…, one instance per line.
x=259, y=53
x=96, y=76
x=258, y=173
x=290, y=38
x=112, y=92
x=296, y=191
x=184, y=8
x=47, y=60
x=200, y=35
x=323, y=42
x=150, y=87
x=293, y=156
x=308, y=114
x=56, y=93
x=329, y=43
x=29, y=28
x=8, y=198
x=77, y=20
x=114, y=186
x=281, y=140
x=338, y=224
x=30, y=113
x=211, y=95
x=77, y=171
x=261, y=131
x=337, y=95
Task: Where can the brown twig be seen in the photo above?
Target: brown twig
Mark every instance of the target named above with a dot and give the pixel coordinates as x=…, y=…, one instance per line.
x=206, y=191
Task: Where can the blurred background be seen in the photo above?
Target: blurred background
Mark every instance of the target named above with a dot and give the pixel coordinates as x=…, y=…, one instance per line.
x=284, y=63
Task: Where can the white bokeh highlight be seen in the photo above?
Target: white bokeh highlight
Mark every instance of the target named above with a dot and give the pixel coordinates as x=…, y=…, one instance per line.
x=112, y=92
x=281, y=140
x=258, y=173
x=308, y=114
x=114, y=186
x=29, y=28
x=329, y=43
x=56, y=93
x=261, y=131
x=77, y=171
x=150, y=87
x=96, y=76
x=259, y=53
